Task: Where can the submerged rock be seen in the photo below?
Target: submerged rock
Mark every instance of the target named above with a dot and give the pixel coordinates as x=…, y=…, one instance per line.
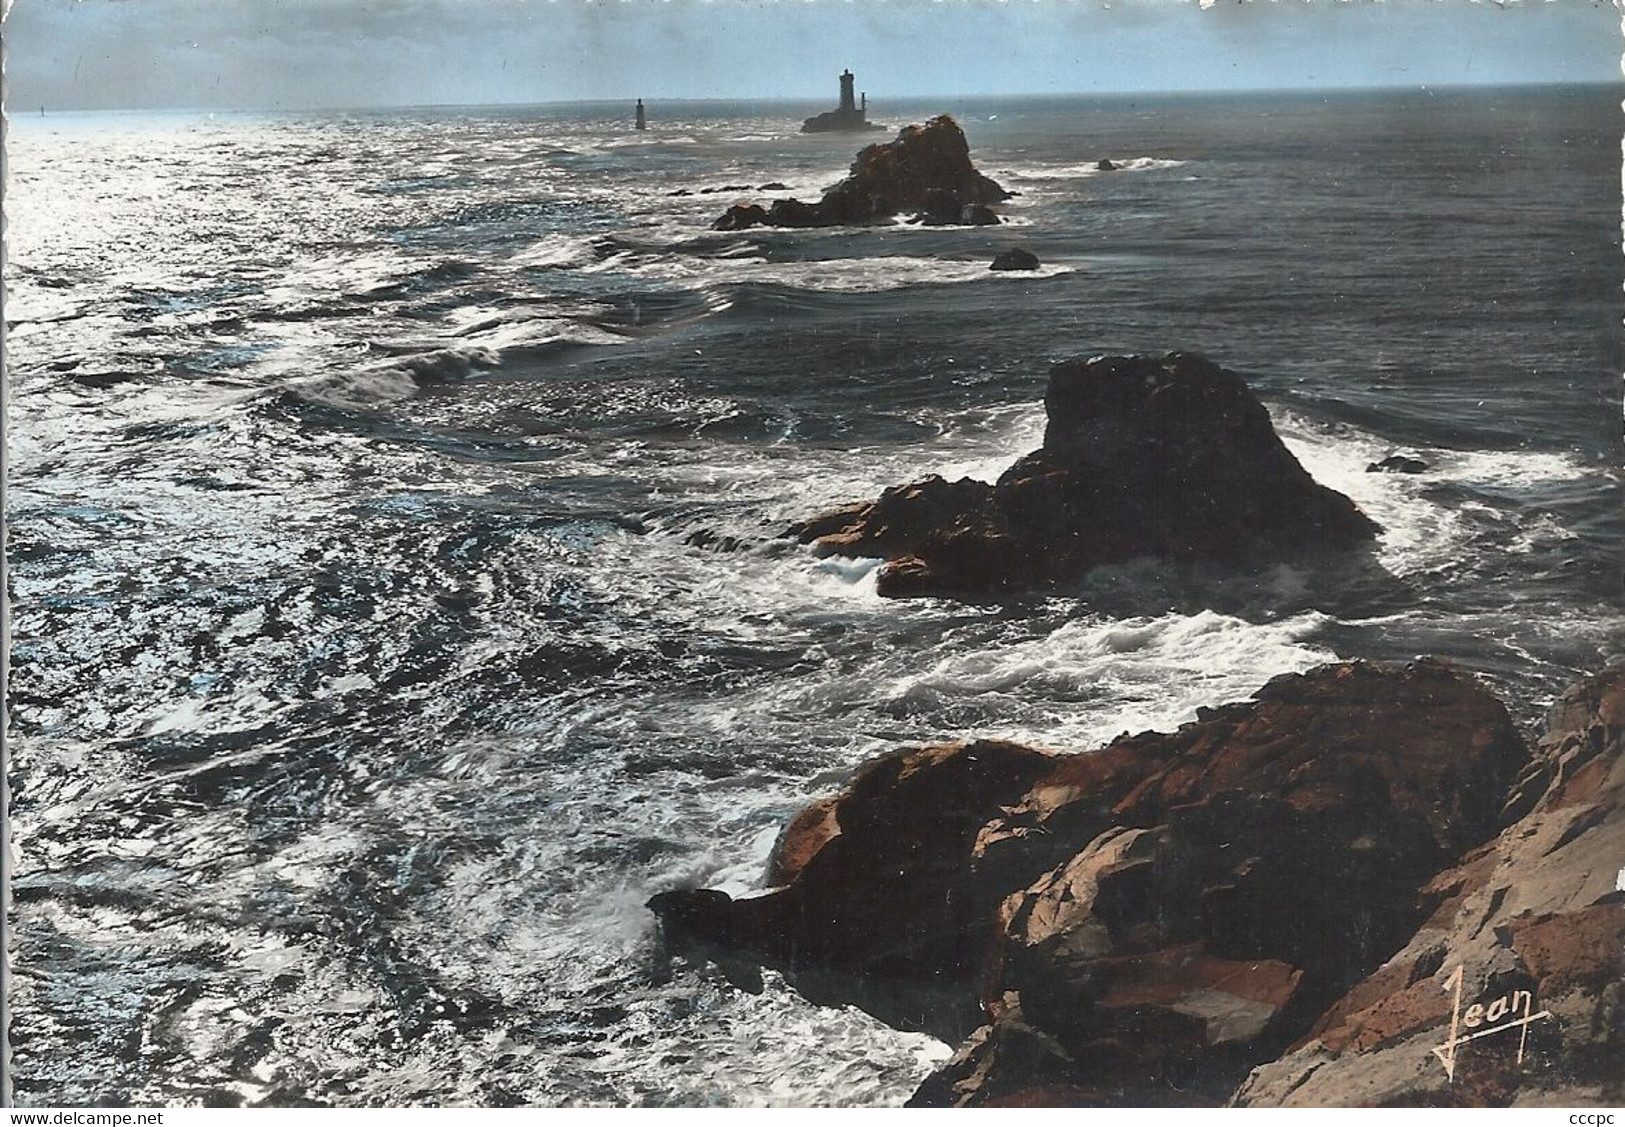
x=1144, y=923
x=927, y=169
x=1016, y=258
x=1398, y=463
x=1169, y=457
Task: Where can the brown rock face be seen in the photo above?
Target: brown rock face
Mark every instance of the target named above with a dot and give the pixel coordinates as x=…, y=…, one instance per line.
x=927, y=169
x=1534, y=923
x=1146, y=922
x=1170, y=457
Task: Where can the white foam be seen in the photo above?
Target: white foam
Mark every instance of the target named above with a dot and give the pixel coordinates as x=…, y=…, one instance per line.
x=1419, y=533
x=557, y=250
x=1090, y=679
x=1087, y=170
x=839, y=275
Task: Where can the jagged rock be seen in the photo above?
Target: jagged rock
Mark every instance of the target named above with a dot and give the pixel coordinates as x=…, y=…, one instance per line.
x=1143, y=921
x=926, y=169
x=1398, y=463
x=1016, y=258
x=1539, y=911
x=1170, y=457
x=1107, y=166
x=1212, y=889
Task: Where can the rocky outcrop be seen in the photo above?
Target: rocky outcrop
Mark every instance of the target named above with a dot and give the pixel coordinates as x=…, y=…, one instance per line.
x=1016, y=258
x=927, y=170
x=1145, y=922
x=1170, y=457
x=1529, y=926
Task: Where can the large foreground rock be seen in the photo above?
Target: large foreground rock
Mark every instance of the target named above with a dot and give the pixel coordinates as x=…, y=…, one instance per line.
x=1145, y=922
x=927, y=170
x=1169, y=457
x=1536, y=917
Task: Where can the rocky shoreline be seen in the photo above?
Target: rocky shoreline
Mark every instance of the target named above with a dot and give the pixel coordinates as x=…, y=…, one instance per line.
x=1360, y=887
x=1265, y=907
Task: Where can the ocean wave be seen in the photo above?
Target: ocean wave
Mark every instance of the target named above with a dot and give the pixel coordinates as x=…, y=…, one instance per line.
x=561, y=251
x=504, y=335
x=1093, y=678
x=1507, y=469
x=396, y=378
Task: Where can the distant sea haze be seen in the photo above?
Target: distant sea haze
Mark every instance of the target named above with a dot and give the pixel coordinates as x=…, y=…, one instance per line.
x=376, y=649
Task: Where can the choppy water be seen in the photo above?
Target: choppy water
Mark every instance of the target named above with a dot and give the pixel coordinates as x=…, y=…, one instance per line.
x=365, y=682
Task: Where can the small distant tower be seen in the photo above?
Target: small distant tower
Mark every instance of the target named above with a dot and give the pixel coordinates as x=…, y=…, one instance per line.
x=848, y=103
x=643, y=121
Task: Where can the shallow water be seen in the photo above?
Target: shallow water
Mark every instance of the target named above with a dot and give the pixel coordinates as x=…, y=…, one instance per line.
x=365, y=683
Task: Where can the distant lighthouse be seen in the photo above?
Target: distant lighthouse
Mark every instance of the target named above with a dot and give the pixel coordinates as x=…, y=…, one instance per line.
x=848, y=117
x=643, y=122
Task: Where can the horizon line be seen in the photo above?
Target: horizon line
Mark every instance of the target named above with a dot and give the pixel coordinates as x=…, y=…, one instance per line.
x=15, y=115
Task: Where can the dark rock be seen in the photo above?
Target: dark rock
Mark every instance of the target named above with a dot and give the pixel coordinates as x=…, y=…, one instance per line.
x=1538, y=910
x=794, y=213
x=774, y=187
x=1107, y=166
x=681, y=192
x=1016, y=258
x=1169, y=457
x=713, y=541
x=941, y=207
x=104, y=379
x=740, y=216
x=927, y=169
x=1398, y=463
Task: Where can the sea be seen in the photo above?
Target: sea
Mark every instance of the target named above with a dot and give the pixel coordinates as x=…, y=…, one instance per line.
x=394, y=527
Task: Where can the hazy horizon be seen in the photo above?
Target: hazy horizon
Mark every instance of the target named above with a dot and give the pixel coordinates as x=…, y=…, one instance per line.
x=21, y=113
x=267, y=55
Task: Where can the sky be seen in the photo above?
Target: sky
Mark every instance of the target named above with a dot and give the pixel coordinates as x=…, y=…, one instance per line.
x=302, y=54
